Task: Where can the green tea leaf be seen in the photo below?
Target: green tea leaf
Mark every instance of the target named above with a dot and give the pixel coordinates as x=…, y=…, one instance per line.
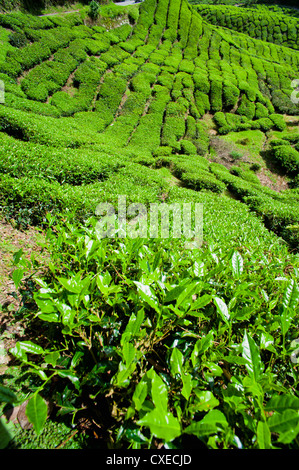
x=174, y=293
x=7, y=395
x=176, y=367
x=200, y=302
x=121, y=379
x=156, y=261
x=237, y=264
x=6, y=433
x=67, y=313
x=283, y=422
x=128, y=352
x=45, y=305
x=207, y=401
x=213, y=422
x=49, y=317
x=202, y=345
x=187, y=385
x=263, y=435
x=222, y=309
x=147, y=295
x=281, y=403
x=201, y=429
x=23, y=347
x=135, y=435
x=267, y=342
x=159, y=391
x=52, y=358
x=186, y=294
x=140, y=395
x=217, y=417
x=214, y=369
x=288, y=436
x=286, y=320
x=72, y=285
x=76, y=359
x=36, y=412
x=17, y=276
x=71, y=376
x=133, y=326
x=250, y=353
x=253, y=387
x=291, y=295
x=162, y=425
x=17, y=256
x=176, y=362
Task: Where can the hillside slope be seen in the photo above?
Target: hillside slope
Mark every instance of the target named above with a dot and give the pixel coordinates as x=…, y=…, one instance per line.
x=144, y=341
x=142, y=93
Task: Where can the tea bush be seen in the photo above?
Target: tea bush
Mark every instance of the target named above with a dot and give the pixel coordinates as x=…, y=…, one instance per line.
x=139, y=318
x=181, y=105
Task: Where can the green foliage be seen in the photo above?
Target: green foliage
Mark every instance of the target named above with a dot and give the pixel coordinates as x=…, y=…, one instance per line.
x=266, y=25
x=115, y=313
x=175, y=341
x=287, y=157
x=94, y=9
x=17, y=39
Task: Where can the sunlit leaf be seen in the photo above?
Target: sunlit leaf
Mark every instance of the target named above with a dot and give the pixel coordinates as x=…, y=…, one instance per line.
x=237, y=264
x=187, y=385
x=162, y=425
x=140, y=394
x=207, y=400
x=17, y=276
x=71, y=376
x=36, y=411
x=251, y=354
x=291, y=295
x=147, y=295
x=263, y=435
x=23, y=347
x=176, y=362
x=222, y=309
x=72, y=285
x=159, y=391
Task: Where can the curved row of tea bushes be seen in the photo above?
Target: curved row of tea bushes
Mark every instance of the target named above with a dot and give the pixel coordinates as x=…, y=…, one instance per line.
x=267, y=26
x=27, y=199
x=228, y=122
x=278, y=212
x=19, y=159
x=48, y=42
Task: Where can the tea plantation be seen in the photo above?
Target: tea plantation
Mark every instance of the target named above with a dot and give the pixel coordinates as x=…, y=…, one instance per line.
x=143, y=342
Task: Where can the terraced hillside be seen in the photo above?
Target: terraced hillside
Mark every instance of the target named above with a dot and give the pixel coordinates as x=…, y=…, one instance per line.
x=141, y=94
x=178, y=104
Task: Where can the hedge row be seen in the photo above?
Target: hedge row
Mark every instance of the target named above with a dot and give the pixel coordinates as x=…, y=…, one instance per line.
x=278, y=212
x=85, y=83
x=244, y=119
x=270, y=27
x=28, y=199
